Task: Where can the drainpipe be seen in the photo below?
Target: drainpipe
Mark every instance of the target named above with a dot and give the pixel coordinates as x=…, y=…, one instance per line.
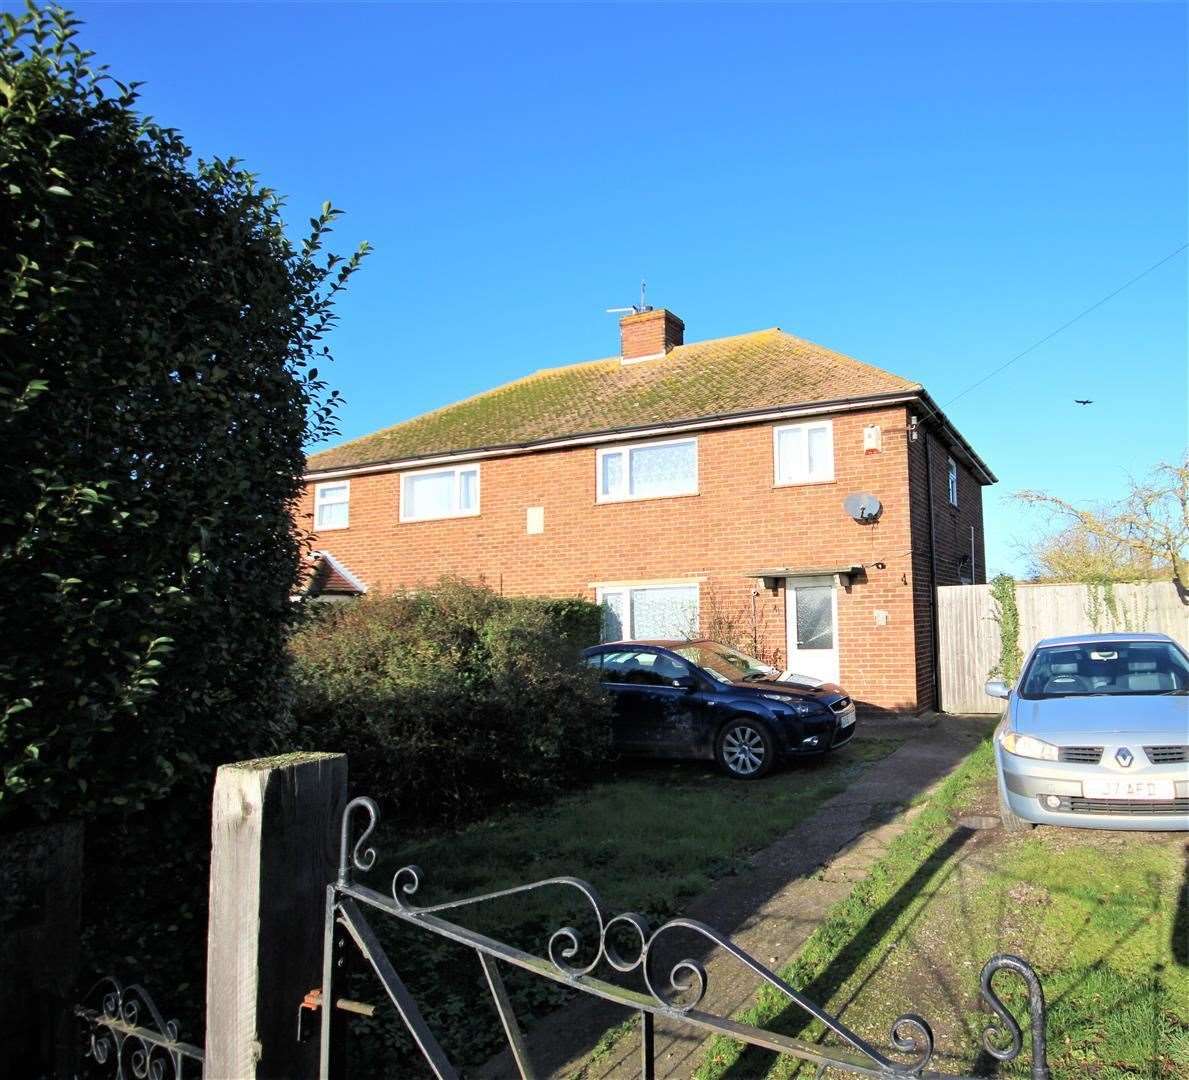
x=934, y=630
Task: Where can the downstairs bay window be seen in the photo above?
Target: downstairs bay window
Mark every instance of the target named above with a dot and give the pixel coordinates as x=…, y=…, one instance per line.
x=648, y=611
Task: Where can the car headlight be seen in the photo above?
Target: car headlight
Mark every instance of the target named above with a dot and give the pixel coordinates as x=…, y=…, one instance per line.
x=1028, y=746
x=797, y=708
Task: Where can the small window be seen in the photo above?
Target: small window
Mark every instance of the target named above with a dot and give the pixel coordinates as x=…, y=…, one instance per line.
x=331, y=505
x=648, y=471
x=814, y=609
x=804, y=453
x=951, y=480
x=655, y=611
x=439, y=493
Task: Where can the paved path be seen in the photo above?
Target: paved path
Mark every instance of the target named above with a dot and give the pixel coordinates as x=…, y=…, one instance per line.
x=771, y=908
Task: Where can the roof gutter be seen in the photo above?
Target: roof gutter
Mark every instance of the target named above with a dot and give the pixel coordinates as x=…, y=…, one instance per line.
x=954, y=439
x=678, y=426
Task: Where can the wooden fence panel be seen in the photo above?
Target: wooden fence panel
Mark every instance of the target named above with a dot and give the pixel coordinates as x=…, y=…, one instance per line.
x=969, y=646
x=969, y=634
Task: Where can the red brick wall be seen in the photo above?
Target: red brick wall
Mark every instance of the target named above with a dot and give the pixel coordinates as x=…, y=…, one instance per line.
x=950, y=535
x=649, y=333
x=738, y=522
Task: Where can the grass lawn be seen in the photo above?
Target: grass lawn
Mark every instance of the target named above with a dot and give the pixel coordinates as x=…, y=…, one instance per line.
x=1103, y=917
x=649, y=839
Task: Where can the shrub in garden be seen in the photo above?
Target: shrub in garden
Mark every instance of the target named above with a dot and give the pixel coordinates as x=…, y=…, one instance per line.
x=449, y=698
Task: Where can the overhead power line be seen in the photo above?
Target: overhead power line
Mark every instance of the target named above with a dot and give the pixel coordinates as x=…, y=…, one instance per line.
x=1065, y=326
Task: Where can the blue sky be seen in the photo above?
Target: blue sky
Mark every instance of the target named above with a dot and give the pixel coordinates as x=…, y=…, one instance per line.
x=928, y=187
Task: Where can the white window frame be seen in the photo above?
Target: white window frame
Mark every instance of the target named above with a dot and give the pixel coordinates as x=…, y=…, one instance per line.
x=800, y=481
x=625, y=590
x=320, y=501
x=951, y=480
x=624, y=492
x=455, y=471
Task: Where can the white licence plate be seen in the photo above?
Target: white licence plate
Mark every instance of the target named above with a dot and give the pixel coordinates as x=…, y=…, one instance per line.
x=846, y=719
x=1129, y=789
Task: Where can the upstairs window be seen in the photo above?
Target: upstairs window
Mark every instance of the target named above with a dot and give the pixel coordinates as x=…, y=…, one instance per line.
x=331, y=505
x=648, y=470
x=951, y=480
x=804, y=453
x=439, y=493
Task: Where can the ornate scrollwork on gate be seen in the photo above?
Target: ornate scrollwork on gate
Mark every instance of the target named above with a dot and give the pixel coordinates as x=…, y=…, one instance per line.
x=1005, y=1023
x=626, y=943
x=128, y=1034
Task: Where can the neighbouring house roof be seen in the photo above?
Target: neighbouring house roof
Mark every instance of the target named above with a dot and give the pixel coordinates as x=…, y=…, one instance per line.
x=724, y=377
x=323, y=575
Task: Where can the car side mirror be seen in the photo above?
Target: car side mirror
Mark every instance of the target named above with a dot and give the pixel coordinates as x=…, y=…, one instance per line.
x=686, y=682
x=998, y=688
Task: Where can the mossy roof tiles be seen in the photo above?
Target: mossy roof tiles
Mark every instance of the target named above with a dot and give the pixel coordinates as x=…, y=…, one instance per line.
x=726, y=376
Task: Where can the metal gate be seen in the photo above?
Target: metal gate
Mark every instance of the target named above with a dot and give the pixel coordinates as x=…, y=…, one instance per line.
x=627, y=945
x=128, y=1035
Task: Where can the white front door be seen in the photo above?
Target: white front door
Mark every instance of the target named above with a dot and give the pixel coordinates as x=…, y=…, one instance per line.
x=811, y=615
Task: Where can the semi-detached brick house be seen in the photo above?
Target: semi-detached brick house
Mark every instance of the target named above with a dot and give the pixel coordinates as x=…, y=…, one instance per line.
x=680, y=485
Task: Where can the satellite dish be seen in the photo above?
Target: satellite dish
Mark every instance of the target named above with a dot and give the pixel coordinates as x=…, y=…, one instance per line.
x=863, y=507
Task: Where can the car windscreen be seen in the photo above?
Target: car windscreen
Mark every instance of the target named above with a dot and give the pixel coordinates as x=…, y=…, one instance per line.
x=725, y=665
x=1105, y=667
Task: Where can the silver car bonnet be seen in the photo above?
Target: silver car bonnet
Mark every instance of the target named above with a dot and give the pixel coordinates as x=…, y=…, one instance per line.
x=1165, y=717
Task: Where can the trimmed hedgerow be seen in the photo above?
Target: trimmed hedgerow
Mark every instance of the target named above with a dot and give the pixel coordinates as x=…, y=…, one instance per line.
x=449, y=699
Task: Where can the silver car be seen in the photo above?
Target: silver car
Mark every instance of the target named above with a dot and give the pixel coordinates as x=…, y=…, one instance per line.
x=1096, y=734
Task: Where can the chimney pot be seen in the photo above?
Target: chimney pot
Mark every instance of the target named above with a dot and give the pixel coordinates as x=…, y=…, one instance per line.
x=647, y=335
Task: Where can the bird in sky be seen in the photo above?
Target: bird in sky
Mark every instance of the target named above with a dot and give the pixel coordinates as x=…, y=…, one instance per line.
x=1083, y=401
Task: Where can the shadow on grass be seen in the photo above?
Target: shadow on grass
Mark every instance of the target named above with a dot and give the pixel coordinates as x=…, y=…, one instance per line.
x=1144, y=1000
x=670, y=814
x=792, y=1020
x=1180, y=923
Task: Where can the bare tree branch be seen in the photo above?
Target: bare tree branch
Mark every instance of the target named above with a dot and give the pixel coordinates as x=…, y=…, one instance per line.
x=1146, y=534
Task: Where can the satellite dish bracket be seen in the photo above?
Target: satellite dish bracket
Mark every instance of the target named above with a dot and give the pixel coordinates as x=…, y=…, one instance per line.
x=863, y=507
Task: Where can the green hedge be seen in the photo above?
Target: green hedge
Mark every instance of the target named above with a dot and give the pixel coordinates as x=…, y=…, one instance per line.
x=157, y=330
x=451, y=698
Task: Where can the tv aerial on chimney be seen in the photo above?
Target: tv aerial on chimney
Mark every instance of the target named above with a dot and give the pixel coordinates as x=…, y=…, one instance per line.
x=635, y=309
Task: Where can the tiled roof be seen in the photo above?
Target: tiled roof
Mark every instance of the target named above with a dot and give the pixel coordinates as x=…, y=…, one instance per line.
x=742, y=374
x=320, y=574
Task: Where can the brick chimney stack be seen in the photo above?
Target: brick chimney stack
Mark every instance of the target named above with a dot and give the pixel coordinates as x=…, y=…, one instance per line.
x=647, y=335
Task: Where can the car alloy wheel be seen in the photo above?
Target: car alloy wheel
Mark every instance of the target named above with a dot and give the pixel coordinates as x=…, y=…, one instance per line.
x=744, y=751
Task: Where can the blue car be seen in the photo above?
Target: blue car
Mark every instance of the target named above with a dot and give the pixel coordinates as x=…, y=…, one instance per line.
x=700, y=699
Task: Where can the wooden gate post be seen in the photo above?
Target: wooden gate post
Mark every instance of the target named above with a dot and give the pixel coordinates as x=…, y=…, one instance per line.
x=274, y=850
